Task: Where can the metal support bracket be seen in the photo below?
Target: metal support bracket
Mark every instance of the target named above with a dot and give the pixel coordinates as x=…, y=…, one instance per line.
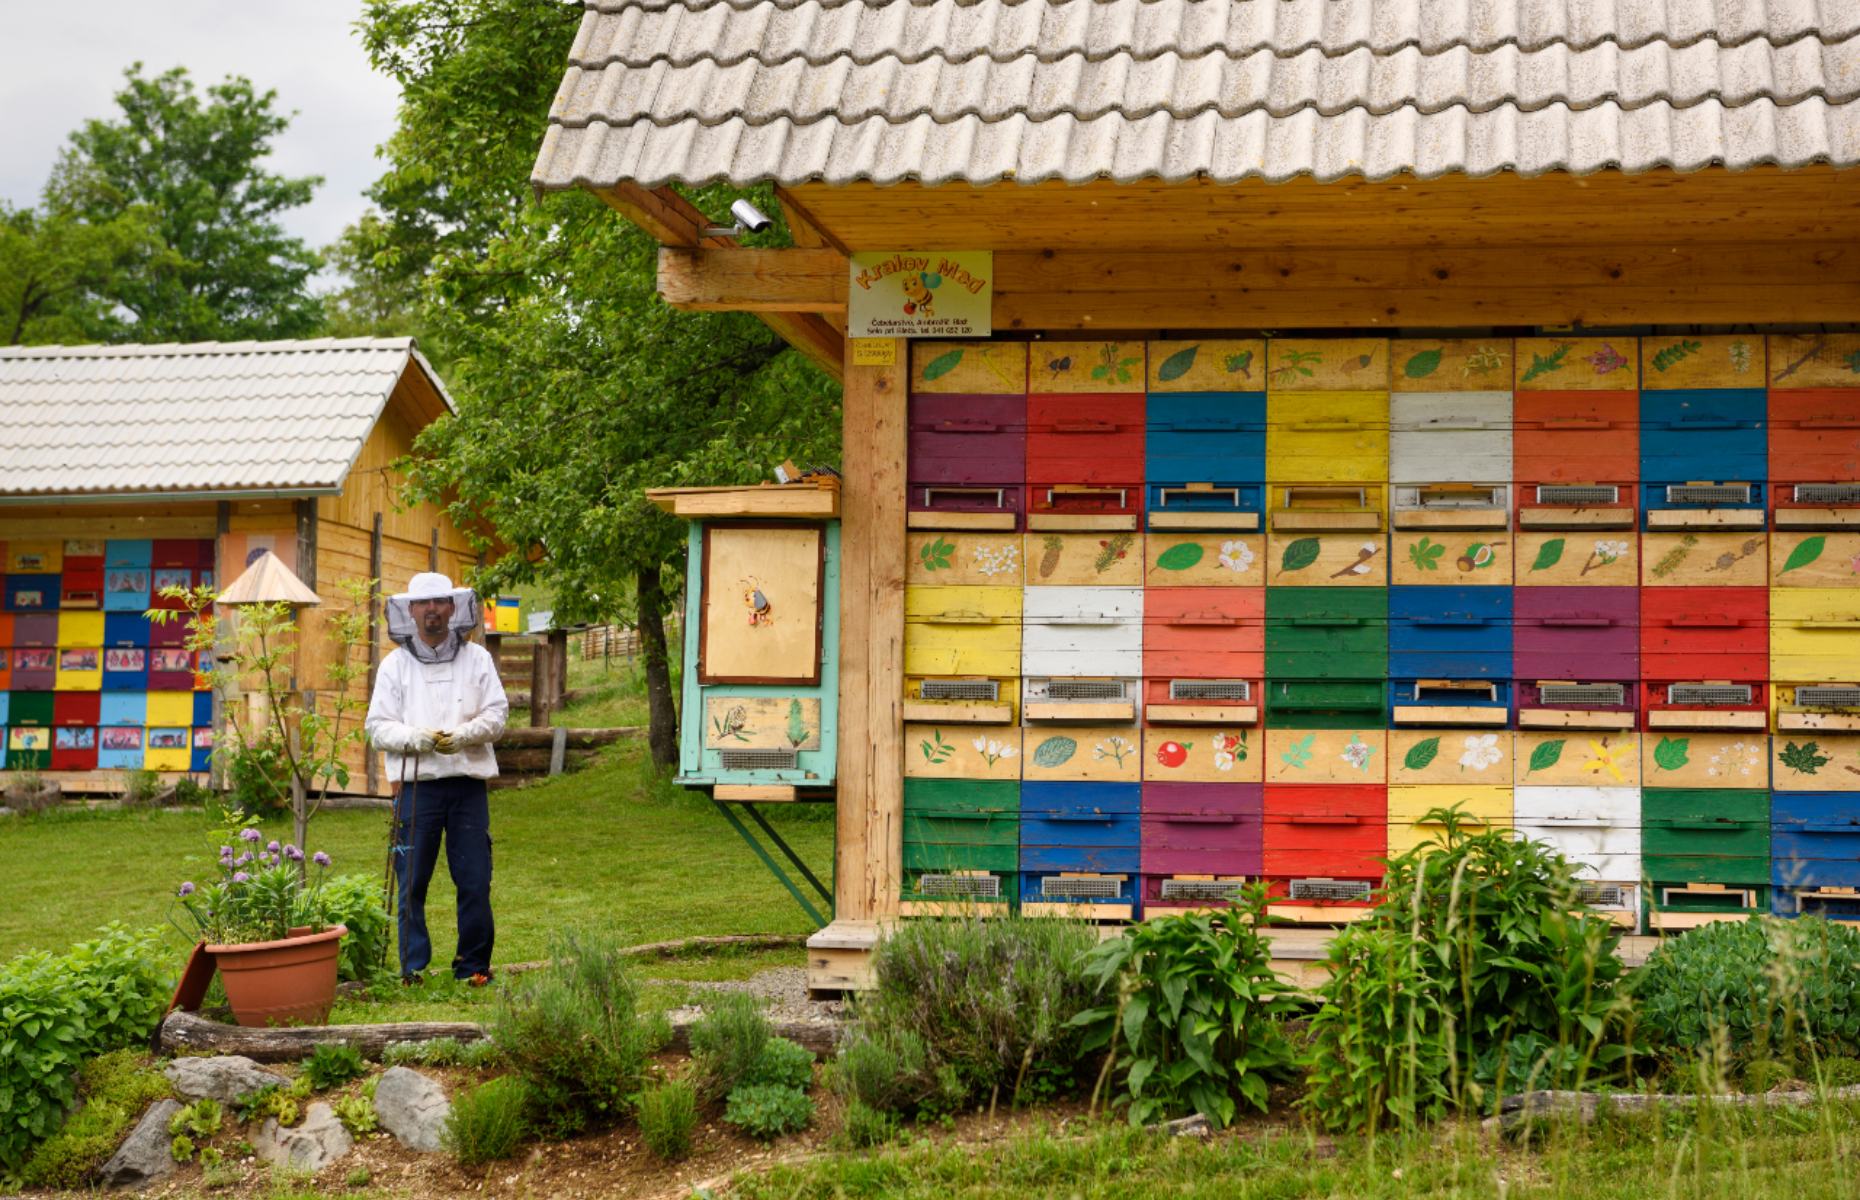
x=775, y=868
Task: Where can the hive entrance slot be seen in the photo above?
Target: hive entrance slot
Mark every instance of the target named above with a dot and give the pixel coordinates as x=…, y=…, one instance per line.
x=1210, y=689
x=1604, y=895
x=1827, y=493
x=1582, y=695
x=1453, y=690
x=1725, y=694
x=758, y=760
x=1708, y=493
x=1840, y=695
x=960, y=689
x=1081, y=887
x=1202, y=889
x=960, y=886
x=1085, y=689
x=1330, y=889
x=1577, y=493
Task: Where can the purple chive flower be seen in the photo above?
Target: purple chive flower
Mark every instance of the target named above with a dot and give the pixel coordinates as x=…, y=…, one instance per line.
x=241, y=877
x=293, y=853
x=320, y=859
x=272, y=847
x=242, y=860
x=187, y=889
x=250, y=835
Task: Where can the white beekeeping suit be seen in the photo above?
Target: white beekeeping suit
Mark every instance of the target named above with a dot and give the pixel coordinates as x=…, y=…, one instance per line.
x=422, y=690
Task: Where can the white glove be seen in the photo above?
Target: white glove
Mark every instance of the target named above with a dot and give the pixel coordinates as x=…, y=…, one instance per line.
x=421, y=742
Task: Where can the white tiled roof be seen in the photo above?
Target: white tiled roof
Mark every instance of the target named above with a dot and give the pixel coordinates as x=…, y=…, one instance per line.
x=286, y=416
x=985, y=90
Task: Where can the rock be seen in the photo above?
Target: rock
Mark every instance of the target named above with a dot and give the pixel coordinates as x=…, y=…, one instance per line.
x=224, y=1077
x=1194, y=1125
x=144, y=1155
x=412, y=1107
x=311, y=1146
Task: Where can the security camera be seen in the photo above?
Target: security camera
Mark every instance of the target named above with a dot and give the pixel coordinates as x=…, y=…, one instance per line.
x=749, y=216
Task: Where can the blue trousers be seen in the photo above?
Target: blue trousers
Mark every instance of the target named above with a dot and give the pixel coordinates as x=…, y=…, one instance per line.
x=458, y=811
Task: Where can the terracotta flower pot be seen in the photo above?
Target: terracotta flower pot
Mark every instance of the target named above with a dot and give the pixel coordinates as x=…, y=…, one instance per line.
x=286, y=982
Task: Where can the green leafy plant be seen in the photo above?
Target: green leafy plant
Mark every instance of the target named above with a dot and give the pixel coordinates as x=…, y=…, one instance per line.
x=357, y=1113
x=112, y=1090
x=1193, y=1018
x=1548, y=554
x=766, y=1111
x=575, y=1033
x=667, y=1117
x=1426, y=554
x=1770, y=989
x=783, y=1062
x=865, y=1127
x=727, y=1044
x=181, y=1148
x=201, y=1119
x=489, y=1122
x=355, y=902
x=262, y=892
x=967, y=1009
x=257, y=773
x=1110, y=367
x=1478, y=974
x=330, y=1066
x=442, y=1052
x=1296, y=364
x=58, y=1010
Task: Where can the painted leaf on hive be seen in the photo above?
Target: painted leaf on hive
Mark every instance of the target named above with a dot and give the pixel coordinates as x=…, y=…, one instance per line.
x=1300, y=554
x=1548, y=554
x=1177, y=364
x=1670, y=754
x=1180, y=558
x=1543, y=364
x=1422, y=365
x=1805, y=758
x=1421, y=753
x=1680, y=349
x=1054, y=752
x=1426, y=554
x=1240, y=364
x=1546, y=755
x=942, y=365
x=1806, y=552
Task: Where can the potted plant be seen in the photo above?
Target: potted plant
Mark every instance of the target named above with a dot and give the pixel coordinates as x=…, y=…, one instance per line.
x=261, y=922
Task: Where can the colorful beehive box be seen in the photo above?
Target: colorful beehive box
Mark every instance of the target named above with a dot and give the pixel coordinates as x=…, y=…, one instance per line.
x=1200, y=843
x=1450, y=463
x=1705, y=664
x=1322, y=849
x=1704, y=466
x=1599, y=830
x=1814, y=460
x=1706, y=854
x=125, y=670
x=1085, y=430
x=1205, y=449
x=1814, y=634
x=1576, y=655
x=1080, y=850
x=28, y=749
x=120, y=747
x=966, y=462
x=166, y=749
x=33, y=669
x=1081, y=659
x=126, y=575
x=1815, y=854
x=74, y=748
x=760, y=688
x=1419, y=815
x=961, y=846
x=1576, y=455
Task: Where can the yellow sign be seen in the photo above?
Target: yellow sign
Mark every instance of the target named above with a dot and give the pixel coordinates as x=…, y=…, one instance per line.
x=875, y=352
x=921, y=294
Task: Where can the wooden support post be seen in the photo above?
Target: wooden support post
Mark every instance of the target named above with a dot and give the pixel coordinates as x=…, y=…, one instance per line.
x=868, y=854
x=558, y=667
x=432, y=552
x=370, y=758
x=542, y=691
x=306, y=542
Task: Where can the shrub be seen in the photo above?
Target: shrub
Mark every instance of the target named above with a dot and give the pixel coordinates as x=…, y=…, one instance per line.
x=202, y=1119
x=141, y=788
x=765, y=1111
x=489, y=1121
x=329, y=1066
x=783, y=1062
x=115, y=1088
x=667, y=1115
x=727, y=1043
x=57, y=1010
x=443, y=1052
x=355, y=901
x=1774, y=988
x=257, y=774
x=866, y=1126
x=1194, y=1018
x=357, y=1113
x=1477, y=974
x=575, y=1034
x=890, y=1070
x=989, y=1003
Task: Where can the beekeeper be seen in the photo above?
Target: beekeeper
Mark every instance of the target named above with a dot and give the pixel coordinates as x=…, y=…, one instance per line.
x=437, y=707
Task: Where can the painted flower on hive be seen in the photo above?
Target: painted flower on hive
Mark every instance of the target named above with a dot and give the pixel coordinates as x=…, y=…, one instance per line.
x=1739, y=758
x=1606, y=359
x=1608, y=550
x=1481, y=752
x=1602, y=757
x=1357, y=752
x=1113, y=748
x=992, y=751
x=1229, y=748
x=997, y=560
x=1236, y=556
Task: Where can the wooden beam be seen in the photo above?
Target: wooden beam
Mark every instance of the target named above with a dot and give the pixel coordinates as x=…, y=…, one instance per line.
x=870, y=809
x=1514, y=285
x=674, y=221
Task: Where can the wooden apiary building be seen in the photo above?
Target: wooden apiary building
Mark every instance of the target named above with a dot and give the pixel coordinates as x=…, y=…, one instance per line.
x=1383, y=406
x=126, y=469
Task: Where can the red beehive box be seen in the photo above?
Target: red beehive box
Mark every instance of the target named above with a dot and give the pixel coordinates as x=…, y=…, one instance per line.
x=1337, y=831
x=76, y=708
x=1705, y=633
x=1085, y=455
x=1576, y=437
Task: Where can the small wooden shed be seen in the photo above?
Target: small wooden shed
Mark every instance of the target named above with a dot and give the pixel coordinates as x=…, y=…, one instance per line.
x=124, y=468
x=1318, y=180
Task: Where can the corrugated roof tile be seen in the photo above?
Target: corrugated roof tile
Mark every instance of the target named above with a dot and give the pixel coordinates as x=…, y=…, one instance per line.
x=982, y=90
x=102, y=420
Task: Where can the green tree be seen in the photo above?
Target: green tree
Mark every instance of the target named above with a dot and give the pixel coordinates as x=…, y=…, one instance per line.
x=57, y=272
x=576, y=387
x=194, y=165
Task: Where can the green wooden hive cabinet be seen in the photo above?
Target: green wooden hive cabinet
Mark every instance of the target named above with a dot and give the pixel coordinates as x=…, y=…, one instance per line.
x=759, y=708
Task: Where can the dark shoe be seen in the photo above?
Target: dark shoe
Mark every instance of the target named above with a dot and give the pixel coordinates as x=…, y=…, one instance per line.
x=480, y=979
x=412, y=979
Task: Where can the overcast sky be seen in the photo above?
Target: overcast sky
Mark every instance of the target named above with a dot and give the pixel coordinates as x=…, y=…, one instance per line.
x=61, y=63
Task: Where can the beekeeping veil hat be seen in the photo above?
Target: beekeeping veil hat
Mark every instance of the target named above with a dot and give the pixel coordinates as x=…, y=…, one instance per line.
x=404, y=625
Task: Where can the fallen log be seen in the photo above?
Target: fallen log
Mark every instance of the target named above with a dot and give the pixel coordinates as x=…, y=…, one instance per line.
x=1584, y=1106
x=190, y=1031
x=524, y=737
x=821, y=1034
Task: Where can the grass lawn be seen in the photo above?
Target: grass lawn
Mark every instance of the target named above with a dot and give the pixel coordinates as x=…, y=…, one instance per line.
x=613, y=844
x=1792, y=1154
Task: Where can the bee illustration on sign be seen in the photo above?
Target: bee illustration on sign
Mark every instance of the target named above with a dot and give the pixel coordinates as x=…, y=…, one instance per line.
x=917, y=288
x=757, y=602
